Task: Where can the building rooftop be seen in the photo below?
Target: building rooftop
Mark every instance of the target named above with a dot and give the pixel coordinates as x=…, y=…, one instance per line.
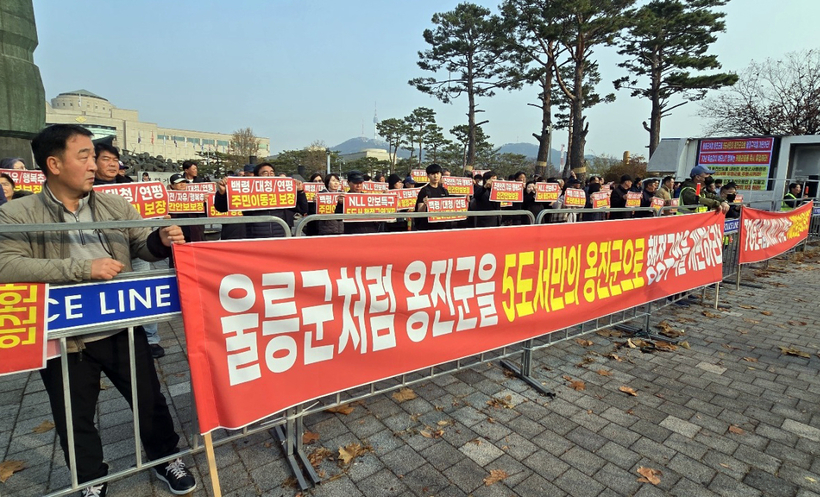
x=83, y=93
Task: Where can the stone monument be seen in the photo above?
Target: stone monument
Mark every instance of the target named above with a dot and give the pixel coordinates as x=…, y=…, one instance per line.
x=22, y=98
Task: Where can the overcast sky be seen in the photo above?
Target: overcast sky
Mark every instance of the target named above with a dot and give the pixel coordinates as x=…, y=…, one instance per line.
x=297, y=71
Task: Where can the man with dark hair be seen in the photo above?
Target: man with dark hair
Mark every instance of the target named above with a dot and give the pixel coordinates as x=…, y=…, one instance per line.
x=355, y=180
x=108, y=165
x=481, y=201
x=792, y=198
x=728, y=192
x=65, y=154
x=433, y=189
x=190, y=172
x=617, y=199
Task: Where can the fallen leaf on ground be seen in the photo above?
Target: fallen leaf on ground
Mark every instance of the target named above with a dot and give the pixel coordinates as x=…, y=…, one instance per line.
x=794, y=351
x=710, y=314
x=609, y=333
x=342, y=409
x=505, y=402
x=431, y=433
x=736, y=430
x=318, y=455
x=685, y=345
x=584, y=343
x=797, y=323
x=352, y=451
x=615, y=357
x=404, y=394
x=496, y=475
x=750, y=359
x=567, y=377
x=730, y=347
x=604, y=372
x=8, y=468
x=586, y=360
x=630, y=391
x=683, y=319
x=443, y=423
x=649, y=475
x=753, y=321
x=578, y=385
x=766, y=313
x=665, y=345
x=309, y=437
x=744, y=306
x=44, y=427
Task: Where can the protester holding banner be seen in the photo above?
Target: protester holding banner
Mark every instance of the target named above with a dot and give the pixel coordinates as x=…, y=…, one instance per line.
x=693, y=192
x=529, y=200
x=617, y=198
x=330, y=226
x=649, y=190
x=665, y=192
x=433, y=189
x=792, y=198
x=481, y=201
x=65, y=153
x=394, y=182
x=356, y=180
x=728, y=192
x=593, y=187
x=263, y=229
x=189, y=170
x=177, y=182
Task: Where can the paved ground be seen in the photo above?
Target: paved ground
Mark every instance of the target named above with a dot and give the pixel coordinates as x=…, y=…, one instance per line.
x=730, y=415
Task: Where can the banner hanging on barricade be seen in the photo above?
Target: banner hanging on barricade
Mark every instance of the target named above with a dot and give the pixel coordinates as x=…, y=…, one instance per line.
x=292, y=320
x=28, y=180
x=262, y=193
x=22, y=327
x=765, y=234
x=149, y=198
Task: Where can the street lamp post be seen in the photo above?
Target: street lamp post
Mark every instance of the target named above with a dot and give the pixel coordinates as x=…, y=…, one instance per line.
x=327, y=151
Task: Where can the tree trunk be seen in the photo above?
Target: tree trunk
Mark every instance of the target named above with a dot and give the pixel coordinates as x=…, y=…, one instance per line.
x=576, y=151
x=544, y=151
x=470, y=159
x=655, y=116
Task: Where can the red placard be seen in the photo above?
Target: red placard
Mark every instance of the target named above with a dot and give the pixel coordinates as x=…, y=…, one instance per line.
x=185, y=202
x=547, y=192
x=374, y=187
x=22, y=327
x=369, y=203
x=312, y=188
x=738, y=199
x=419, y=175
x=290, y=316
x=149, y=198
x=28, y=180
x=765, y=234
x=261, y=193
x=657, y=203
x=447, y=204
x=507, y=191
x=633, y=199
x=600, y=200
x=575, y=197
x=406, y=198
x=458, y=185
x=207, y=187
x=326, y=202
x=212, y=212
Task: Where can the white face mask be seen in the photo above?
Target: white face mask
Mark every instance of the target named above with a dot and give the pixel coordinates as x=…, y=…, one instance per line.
x=479, y=182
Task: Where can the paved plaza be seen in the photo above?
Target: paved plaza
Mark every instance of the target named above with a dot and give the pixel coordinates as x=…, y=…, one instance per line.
x=732, y=411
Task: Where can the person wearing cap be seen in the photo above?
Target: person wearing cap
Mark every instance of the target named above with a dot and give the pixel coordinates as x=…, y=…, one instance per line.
x=248, y=169
x=409, y=182
x=617, y=199
x=355, y=181
x=178, y=182
x=264, y=229
x=125, y=178
x=433, y=189
x=189, y=170
x=705, y=201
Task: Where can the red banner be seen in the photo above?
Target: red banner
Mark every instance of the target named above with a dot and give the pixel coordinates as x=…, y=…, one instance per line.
x=185, y=202
x=149, y=198
x=547, y=192
x=311, y=189
x=406, y=198
x=212, y=212
x=326, y=202
x=419, y=175
x=207, y=187
x=292, y=318
x=765, y=234
x=575, y=197
x=260, y=193
x=374, y=187
x=22, y=327
x=633, y=199
x=369, y=203
x=458, y=185
x=600, y=200
x=507, y=191
x=28, y=180
x=447, y=204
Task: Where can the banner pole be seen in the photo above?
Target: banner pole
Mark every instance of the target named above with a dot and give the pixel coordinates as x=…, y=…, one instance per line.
x=737, y=278
x=209, y=451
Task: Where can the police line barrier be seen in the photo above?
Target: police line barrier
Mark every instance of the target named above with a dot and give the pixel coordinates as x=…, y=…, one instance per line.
x=294, y=415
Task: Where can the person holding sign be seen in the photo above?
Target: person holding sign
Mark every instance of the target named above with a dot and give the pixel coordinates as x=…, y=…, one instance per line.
x=693, y=192
x=331, y=226
x=65, y=153
x=617, y=198
x=355, y=181
x=481, y=201
x=728, y=192
x=264, y=229
x=649, y=190
x=433, y=189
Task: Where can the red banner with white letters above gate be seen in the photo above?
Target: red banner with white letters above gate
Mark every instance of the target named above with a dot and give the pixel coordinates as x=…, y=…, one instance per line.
x=765, y=234
x=274, y=323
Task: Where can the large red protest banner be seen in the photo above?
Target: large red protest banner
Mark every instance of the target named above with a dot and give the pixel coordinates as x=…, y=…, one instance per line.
x=22, y=327
x=765, y=234
x=289, y=320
